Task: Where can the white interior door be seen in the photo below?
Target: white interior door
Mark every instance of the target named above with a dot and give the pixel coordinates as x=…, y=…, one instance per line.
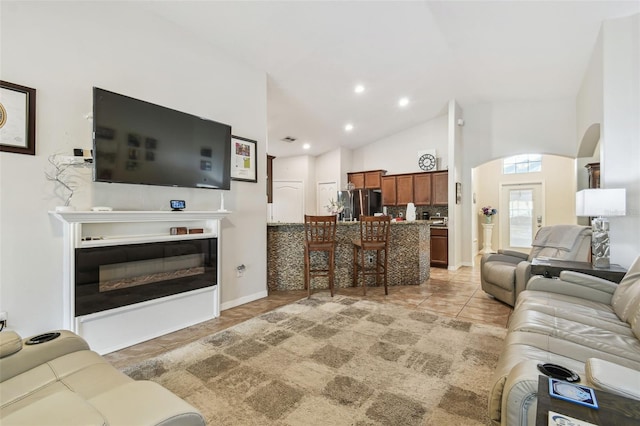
x=326, y=191
x=288, y=202
x=521, y=215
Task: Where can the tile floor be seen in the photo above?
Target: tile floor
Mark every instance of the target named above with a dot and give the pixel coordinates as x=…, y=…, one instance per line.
x=449, y=293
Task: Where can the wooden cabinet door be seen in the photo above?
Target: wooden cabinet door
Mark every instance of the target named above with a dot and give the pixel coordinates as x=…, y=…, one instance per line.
x=404, y=189
x=388, y=185
x=357, y=179
x=440, y=188
x=439, y=247
x=422, y=189
x=373, y=180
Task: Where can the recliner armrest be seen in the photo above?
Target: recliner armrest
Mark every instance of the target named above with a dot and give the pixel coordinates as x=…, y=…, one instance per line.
x=592, y=288
x=502, y=257
x=523, y=274
x=513, y=253
x=31, y=356
x=613, y=378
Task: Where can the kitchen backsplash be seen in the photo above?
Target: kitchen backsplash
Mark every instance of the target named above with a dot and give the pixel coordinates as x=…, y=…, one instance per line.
x=395, y=211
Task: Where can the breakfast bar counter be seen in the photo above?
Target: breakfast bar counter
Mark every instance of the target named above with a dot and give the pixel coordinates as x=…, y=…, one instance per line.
x=409, y=255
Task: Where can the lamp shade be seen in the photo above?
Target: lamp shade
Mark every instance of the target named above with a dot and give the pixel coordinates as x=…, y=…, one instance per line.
x=601, y=202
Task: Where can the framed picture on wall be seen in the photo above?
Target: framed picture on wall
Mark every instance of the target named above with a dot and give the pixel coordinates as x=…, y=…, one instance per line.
x=17, y=118
x=243, y=159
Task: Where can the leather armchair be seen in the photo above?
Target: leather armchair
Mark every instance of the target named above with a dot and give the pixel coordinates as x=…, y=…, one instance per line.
x=505, y=274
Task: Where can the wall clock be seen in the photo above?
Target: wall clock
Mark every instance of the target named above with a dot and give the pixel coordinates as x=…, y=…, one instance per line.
x=3, y=115
x=427, y=162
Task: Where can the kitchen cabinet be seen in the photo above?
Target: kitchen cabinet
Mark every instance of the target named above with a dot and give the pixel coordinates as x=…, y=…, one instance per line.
x=440, y=188
x=357, y=179
x=388, y=185
x=422, y=189
x=439, y=247
x=371, y=179
x=404, y=189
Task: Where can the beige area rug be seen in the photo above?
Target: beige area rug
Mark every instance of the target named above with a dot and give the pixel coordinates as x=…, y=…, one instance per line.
x=336, y=361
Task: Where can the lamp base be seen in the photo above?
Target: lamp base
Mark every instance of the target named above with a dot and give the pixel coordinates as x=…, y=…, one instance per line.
x=600, y=242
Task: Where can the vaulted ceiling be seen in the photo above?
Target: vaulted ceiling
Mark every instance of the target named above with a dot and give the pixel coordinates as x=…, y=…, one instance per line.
x=316, y=52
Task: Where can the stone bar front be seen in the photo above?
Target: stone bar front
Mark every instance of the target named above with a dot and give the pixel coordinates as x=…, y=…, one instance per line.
x=409, y=255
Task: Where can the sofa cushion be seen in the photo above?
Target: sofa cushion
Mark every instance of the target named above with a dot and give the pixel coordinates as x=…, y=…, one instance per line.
x=595, y=339
x=62, y=408
x=124, y=407
x=563, y=301
x=626, y=298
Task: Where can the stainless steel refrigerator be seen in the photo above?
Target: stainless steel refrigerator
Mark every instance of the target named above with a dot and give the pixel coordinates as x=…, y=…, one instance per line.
x=360, y=202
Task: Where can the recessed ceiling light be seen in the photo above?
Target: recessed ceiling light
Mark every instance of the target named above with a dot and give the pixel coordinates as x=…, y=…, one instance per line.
x=348, y=127
x=306, y=146
x=359, y=88
x=403, y=102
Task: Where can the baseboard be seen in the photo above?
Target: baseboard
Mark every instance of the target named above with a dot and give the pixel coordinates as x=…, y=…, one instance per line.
x=245, y=299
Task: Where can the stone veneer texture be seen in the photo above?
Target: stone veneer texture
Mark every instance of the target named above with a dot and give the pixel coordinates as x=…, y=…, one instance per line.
x=409, y=256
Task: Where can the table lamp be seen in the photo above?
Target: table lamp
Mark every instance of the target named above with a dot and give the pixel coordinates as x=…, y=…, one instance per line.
x=600, y=204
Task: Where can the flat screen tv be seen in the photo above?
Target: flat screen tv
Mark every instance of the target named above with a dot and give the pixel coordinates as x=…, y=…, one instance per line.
x=141, y=143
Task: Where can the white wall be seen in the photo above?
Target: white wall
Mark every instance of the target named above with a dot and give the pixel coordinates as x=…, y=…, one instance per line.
x=457, y=225
x=620, y=146
x=399, y=153
x=589, y=99
x=62, y=49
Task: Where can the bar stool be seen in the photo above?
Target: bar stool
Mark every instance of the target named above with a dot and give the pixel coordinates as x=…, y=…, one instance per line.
x=374, y=236
x=320, y=236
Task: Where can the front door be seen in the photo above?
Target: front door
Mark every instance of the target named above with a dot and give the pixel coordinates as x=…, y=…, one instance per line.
x=522, y=215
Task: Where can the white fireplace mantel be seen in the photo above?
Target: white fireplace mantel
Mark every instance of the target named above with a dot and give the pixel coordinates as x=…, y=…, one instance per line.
x=136, y=216
x=117, y=328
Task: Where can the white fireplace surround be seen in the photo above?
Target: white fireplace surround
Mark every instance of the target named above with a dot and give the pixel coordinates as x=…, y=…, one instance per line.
x=114, y=329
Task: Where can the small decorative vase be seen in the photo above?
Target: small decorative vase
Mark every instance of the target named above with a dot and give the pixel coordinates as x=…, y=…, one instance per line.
x=488, y=219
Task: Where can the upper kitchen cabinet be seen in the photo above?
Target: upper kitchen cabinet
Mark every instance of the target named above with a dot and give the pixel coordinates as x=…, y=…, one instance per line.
x=422, y=189
x=389, y=197
x=404, y=189
x=440, y=188
x=371, y=179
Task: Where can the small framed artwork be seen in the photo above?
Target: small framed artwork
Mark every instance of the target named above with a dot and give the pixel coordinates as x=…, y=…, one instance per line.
x=458, y=192
x=17, y=118
x=243, y=159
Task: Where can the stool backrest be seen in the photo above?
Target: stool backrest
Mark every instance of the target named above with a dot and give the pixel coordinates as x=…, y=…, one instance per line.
x=320, y=229
x=374, y=229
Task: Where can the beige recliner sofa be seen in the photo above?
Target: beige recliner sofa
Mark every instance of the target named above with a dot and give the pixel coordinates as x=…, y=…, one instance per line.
x=504, y=275
x=586, y=324
x=62, y=382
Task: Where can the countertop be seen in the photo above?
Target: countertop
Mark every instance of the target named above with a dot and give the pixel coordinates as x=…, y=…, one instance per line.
x=433, y=223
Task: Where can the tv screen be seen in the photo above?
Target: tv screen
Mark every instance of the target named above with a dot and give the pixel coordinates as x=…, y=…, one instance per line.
x=138, y=142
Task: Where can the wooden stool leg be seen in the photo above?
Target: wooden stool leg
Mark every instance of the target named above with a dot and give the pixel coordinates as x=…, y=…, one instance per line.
x=386, y=291
x=354, y=276
x=331, y=270
x=364, y=275
x=378, y=270
x=307, y=271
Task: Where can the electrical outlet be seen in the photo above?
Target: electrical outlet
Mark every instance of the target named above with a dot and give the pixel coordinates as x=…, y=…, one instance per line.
x=3, y=316
x=240, y=271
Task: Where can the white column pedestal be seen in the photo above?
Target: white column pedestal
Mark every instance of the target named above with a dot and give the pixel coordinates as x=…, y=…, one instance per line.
x=486, y=239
